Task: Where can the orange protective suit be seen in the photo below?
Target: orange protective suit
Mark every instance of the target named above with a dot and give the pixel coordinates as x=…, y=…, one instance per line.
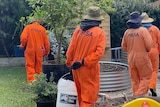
x=137, y=42
x=90, y=46
x=154, y=55
x=37, y=45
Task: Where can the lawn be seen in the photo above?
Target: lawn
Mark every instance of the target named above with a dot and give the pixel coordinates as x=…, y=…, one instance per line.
x=13, y=88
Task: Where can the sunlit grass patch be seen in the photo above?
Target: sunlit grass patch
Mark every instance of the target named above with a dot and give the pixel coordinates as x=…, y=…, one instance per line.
x=13, y=88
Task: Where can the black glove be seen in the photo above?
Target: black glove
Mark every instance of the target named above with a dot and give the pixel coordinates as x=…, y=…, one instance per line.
x=76, y=65
x=82, y=61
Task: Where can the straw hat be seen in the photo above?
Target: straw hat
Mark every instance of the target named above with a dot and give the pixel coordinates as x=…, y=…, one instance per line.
x=94, y=14
x=146, y=18
x=135, y=17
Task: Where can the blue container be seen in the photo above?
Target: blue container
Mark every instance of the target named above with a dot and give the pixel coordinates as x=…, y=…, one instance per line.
x=19, y=52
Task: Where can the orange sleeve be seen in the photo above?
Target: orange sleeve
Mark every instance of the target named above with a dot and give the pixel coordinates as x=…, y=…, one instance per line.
x=24, y=37
x=124, y=44
x=148, y=40
x=46, y=43
x=70, y=49
x=159, y=42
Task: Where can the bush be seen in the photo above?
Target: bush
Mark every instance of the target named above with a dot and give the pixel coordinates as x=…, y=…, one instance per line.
x=43, y=90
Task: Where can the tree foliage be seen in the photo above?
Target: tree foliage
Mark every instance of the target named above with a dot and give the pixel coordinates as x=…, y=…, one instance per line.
x=59, y=15
x=10, y=27
x=106, y=5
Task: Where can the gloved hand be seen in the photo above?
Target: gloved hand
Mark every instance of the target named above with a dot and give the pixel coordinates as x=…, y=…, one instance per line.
x=20, y=46
x=82, y=61
x=76, y=65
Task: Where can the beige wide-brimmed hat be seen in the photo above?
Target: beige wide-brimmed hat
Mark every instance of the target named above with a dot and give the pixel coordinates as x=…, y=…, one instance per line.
x=94, y=13
x=146, y=18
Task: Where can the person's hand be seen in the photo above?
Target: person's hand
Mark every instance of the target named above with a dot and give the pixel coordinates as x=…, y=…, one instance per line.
x=20, y=46
x=45, y=58
x=76, y=65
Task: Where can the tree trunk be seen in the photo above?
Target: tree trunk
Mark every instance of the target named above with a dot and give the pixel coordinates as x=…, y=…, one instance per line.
x=59, y=53
x=4, y=47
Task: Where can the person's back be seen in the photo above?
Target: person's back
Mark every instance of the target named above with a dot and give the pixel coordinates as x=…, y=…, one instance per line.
x=36, y=35
x=137, y=41
x=86, y=42
x=36, y=42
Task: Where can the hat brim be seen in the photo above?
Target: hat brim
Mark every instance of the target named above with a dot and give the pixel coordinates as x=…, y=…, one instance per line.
x=137, y=20
x=100, y=18
x=149, y=20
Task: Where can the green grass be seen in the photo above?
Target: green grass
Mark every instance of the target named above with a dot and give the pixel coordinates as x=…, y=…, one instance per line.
x=13, y=88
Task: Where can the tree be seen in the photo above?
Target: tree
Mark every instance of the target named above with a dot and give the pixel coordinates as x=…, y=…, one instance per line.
x=59, y=15
x=10, y=27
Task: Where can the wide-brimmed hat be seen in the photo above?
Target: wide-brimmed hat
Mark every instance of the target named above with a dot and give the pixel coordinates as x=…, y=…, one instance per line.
x=135, y=17
x=146, y=18
x=94, y=13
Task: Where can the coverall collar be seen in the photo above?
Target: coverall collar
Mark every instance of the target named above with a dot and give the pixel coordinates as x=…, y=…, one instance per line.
x=87, y=24
x=134, y=25
x=146, y=25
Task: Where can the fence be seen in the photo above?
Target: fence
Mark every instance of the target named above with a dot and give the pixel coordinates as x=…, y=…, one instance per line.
x=118, y=55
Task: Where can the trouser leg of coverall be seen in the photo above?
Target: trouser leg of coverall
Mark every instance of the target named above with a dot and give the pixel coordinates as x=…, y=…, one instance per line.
x=38, y=64
x=140, y=72
x=82, y=103
x=155, y=65
x=77, y=85
x=85, y=104
x=143, y=88
x=145, y=73
x=87, y=86
x=134, y=79
x=30, y=67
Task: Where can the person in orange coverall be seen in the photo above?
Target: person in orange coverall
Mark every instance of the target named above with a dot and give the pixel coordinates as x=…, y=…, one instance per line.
x=84, y=52
x=154, y=52
x=138, y=42
x=36, y=42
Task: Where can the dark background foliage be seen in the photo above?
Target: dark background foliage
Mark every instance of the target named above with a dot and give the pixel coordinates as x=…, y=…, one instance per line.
x=10, y=28
x=119, y=18
x=12, y=10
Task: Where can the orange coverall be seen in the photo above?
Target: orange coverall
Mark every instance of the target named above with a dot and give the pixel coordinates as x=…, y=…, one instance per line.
x=154, y=55
x=37, y=45
x=137, y=42
x=89, y=45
